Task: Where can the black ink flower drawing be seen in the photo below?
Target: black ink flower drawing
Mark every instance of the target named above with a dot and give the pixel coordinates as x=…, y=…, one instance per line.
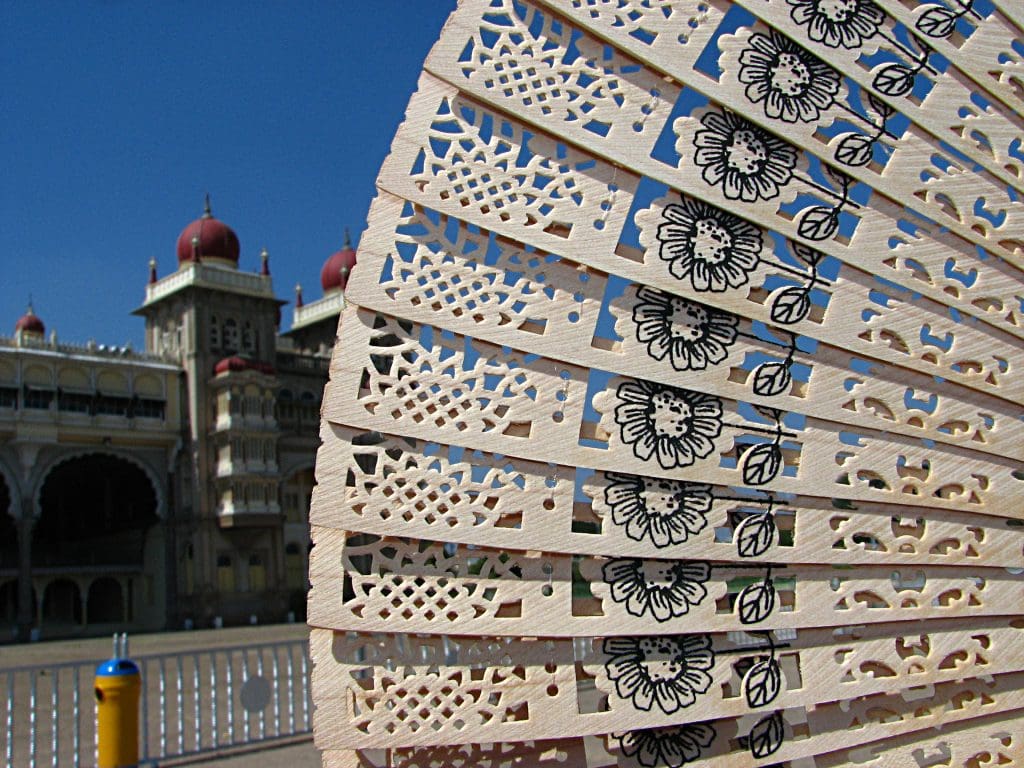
x=749, y=163
x=712, y=249
x=670, y=747
x=838, y=23
x=664, y=511
x=791, y=84
x=664, y=589
x=667, y=670
x=676, y=425
x=692, y=335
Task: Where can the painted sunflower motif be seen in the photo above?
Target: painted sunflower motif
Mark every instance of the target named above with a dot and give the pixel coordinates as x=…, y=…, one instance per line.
x=838, y=23
x=747, y=162
x=712, y=249
x=664, y=511
x=692, y=335
x=667, y=670
x=670, y=747
x=664, y=589
x=676, y=425
x=791, y=84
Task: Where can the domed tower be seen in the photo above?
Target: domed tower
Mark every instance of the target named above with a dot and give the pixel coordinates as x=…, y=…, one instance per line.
x=208, y=240
x=217, y=317
x=209, y=307
x=315, y=324
x=29, y=328
x=336, y=270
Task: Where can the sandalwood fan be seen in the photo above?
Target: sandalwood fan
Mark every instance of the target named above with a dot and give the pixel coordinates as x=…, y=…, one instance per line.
x=676, y=414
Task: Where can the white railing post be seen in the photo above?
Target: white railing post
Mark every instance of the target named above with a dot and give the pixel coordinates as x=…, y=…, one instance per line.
x=66, y=741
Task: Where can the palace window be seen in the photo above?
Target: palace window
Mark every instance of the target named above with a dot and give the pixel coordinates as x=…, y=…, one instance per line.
x=38, y=398
x=294, y=566
x=214, y=332
x=230, y=335
x=225, y=573
x=248, y=338
x=257, y=573
x=8, y=397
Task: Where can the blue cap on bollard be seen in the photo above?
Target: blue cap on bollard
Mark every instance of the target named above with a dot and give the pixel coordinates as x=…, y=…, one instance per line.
x=116, y=668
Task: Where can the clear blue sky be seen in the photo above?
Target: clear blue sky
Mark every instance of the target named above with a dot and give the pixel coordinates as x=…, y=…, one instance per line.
x=117, y=117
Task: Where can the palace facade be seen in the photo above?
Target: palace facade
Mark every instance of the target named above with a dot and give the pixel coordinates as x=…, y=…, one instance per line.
x=166, y=488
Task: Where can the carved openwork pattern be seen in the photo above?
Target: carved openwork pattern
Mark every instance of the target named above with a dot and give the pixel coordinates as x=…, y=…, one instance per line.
x=489, y=281
x=432, y=689
x=645, y=427
x=925, y=254
x=474, y=159
x=434, y=382
x=973, y=742
x=490, y=288
x=791, y=86
x=429, y=587
x=546, y=67
x=821, y=218
x=677, y=418
x=694, y=238
x=430, y=491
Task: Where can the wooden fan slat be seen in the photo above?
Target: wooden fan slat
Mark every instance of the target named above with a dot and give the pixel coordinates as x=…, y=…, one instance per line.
x=418, y=383
x=793, y=290
x=995, y=738
x=516, y=690
x=1012, y=10
x=903, y=74
x=393, y=488
x=581, y=212
x=918, y=173
x=646, y=419
x=912, y=154
x=667, y=35
x=981, y=739
x=552, y=307
x=402, y=585
x=986, y=54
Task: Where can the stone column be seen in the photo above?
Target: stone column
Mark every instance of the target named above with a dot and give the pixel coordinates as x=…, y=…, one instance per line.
x=25, y=615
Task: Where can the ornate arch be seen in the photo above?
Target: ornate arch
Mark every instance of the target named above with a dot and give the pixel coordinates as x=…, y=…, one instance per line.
x=159, y=491
x=298, y=464
x=10, y=479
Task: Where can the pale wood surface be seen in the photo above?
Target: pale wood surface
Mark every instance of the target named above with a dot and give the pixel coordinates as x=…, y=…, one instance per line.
x=900, y=180
x=991, y=737
x=393, y=486
x=556, y=308
x=986, y=54
x=417, y=586
x=1013, y=11
x=479, y=396
x=676, y=414
x=539, y=689
x=585, y=227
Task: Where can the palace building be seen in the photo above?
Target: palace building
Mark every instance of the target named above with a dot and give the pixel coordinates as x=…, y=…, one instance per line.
x=171, y=487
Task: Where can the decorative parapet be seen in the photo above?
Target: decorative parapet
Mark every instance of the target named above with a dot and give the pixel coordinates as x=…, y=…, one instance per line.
x=308, y=314
x=90, y=350
x=209, y=276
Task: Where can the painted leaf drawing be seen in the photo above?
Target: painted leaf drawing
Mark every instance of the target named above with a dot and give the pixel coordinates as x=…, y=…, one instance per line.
x=762, y=683
x=755, y=535
x=675, y=417
x=756, y=602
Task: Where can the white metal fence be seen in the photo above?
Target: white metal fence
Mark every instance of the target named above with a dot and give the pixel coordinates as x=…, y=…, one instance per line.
x=192, y=702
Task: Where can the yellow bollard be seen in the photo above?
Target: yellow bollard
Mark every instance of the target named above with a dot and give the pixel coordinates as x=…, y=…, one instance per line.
x=118, y=685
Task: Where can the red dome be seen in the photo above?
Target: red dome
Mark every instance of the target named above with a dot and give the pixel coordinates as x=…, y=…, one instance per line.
x=29, y=323
x=239, y=363
x=338, y=267
x=208, y=238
